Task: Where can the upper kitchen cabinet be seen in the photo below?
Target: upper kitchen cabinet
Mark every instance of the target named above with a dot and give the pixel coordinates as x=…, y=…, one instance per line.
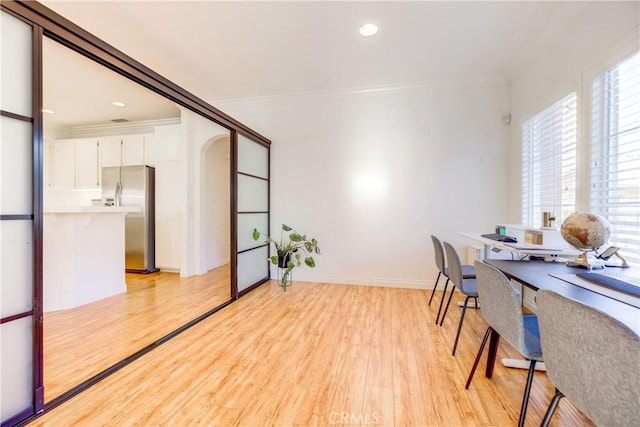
x=127, y=150
x=64, y=165
x=87, y=164
x=74, y=164
x=110, y=151
x=132, y=150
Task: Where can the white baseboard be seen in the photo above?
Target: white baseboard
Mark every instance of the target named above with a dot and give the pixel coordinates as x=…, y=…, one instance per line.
x=362, y=281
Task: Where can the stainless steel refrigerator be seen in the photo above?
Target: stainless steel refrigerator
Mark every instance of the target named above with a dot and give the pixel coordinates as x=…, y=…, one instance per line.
x=134, y=186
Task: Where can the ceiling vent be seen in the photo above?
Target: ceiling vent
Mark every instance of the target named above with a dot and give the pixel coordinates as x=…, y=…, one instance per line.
x=119, y=120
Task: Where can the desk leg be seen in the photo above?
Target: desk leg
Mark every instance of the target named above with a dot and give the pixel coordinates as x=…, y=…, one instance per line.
x=494, y=340
x=487, y=251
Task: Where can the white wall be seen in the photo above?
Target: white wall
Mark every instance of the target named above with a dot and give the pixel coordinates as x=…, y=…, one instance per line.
x=196, y=134
x=373, y=175
x=217, y=200
x=169, y=212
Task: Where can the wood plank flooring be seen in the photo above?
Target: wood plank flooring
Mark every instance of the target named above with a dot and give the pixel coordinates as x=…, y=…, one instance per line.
x=83, y=341
x=319, y=354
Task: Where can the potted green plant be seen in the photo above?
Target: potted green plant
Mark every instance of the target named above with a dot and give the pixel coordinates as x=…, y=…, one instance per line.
x=289, y=251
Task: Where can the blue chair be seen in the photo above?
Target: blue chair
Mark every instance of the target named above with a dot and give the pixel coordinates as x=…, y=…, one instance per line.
x=466, y=286
x=592, y=359
x=502, y=310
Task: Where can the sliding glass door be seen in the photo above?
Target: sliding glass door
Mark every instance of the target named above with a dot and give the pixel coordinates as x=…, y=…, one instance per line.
x=20, y=222
x=252, y=212
x=23, y=26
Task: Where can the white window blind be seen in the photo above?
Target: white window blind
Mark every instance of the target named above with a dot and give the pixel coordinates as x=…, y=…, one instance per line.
x=549, y=162
x=615, y=154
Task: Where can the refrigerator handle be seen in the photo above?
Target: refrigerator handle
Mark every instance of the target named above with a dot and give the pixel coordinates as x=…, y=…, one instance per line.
x=118, y=195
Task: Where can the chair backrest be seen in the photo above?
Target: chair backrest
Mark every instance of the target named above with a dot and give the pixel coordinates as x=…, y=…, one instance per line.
x=500, y=304
x=593, y=359
x=439, y=253
x=454, y=265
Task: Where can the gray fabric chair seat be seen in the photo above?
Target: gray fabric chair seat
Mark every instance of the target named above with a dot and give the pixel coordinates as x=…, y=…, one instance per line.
x=471, y=287
x=468, y=271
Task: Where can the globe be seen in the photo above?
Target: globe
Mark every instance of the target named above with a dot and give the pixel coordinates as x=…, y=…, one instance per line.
x=585, y=231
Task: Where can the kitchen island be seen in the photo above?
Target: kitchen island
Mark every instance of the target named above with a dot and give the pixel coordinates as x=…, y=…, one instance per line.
x=84, y=253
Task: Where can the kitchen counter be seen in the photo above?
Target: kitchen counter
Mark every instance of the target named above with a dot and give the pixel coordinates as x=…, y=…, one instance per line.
x=90, y=209
x=84, y=254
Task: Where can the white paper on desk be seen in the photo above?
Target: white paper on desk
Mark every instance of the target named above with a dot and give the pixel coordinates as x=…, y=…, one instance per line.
x=602, y=290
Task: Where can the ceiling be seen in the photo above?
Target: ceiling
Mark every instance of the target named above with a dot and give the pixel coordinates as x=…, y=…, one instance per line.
x=230, y=50
x=81, y=91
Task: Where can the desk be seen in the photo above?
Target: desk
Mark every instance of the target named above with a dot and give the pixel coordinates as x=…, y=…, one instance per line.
x=519, y=248
x=535, y=275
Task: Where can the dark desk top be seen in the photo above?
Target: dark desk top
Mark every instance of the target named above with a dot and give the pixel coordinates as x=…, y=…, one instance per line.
x=535, y=275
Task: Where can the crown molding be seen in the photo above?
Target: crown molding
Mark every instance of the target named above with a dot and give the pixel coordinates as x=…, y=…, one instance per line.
x=363, y=91
x=144, y=126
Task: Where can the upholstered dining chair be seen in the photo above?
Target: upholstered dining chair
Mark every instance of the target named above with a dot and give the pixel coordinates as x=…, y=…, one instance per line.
x=468, y=272
x=467, y=286
x=502, y=310
x=592, y=359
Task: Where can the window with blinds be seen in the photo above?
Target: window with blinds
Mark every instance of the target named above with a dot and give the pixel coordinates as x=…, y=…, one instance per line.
x=615, y=154
x=549, y=162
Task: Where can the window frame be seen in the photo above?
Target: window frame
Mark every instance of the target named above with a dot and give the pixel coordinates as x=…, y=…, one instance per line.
x=531, y=129
x=588, y=146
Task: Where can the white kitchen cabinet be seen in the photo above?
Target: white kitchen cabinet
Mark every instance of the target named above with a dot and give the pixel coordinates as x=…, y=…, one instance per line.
x=126, y=150
x=87, y=164
x=110, y=151
x=64, y=164
x=77, y=163
x=132, y=150
x=150, y=150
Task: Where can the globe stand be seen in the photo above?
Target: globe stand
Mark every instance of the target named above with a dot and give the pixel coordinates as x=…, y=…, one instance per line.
x=583, y=260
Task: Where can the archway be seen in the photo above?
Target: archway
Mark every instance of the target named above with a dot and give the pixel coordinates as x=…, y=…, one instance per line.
x=215, y=160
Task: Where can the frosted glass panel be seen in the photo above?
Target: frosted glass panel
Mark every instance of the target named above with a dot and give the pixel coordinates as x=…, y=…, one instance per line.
x=252, y=267
x=16, y=166
x=16, y=267
x=253, y=158
x=253, y=194
x=16, y=66
x=16, y=366
x=246, y=224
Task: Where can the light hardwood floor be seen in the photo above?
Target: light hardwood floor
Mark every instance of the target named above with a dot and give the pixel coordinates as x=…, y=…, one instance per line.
x=83, y=341
x=319, y=354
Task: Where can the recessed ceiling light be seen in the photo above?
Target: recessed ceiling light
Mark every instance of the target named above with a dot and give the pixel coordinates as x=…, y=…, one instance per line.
x=47, y=111
x=368, y=29
x=119, y=104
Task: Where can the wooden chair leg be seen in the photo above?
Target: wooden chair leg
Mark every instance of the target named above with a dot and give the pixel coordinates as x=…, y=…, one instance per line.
x=475, y=363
